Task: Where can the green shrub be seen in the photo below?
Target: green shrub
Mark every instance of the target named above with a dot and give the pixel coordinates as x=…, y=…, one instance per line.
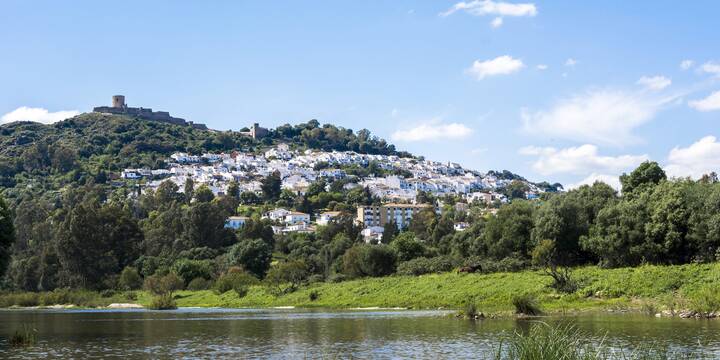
x=526, y=304
x=237, y=281
x=188, y=270
x=286, y=276
x=161, y=285
x=313, y=295
x=199, y=284
x=130, y=279
x=162, y=302
x=107, y=293
x=422, y=265
x=368, y=260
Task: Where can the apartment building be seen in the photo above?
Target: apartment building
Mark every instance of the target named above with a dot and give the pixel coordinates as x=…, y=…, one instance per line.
x=379, y=215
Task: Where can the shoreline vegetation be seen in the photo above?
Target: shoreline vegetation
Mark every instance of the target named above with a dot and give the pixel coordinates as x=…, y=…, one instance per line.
x=691, y=290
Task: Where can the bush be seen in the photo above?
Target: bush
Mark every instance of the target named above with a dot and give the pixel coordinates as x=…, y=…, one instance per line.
x=107, y=293
x=162, y=302
x=162, y=285
x=199, y=284
x=368, y=260
x=188, y=270
x=253, y=255
x=313, y=295
x=237, y=281
x=130, y=279
x=289, y=273
x=422, y=265
x=526, y=304
x=508, y=264
x=407, y=247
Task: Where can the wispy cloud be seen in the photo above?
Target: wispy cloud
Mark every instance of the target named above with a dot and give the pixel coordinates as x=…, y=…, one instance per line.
x=686, y=64
x=541, y=67
x=597, y=116
x=711, y=67
x=710, y=103
x=501, y=65
x=39, y=115
x=432, y=131
x=493, y=8
x=570, y=62
x=579, y=160
x=654, y=83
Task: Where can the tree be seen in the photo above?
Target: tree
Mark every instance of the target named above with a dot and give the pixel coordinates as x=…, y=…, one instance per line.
x=203, y=194
x=292, y=273
x=234, y=190
x=369, y=260
x=390, y=230
x=252, y=255
x=189, y=189
x=649, y=173
x=130, y=279
x=7, y=236
x=271, y=186
x=508, y=233
x=406, y=247
x=516, y=189
x=204, y=225
x=545, y=255
x=95, y=242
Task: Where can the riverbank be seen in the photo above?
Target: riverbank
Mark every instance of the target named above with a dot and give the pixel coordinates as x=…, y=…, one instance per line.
x=651, y=289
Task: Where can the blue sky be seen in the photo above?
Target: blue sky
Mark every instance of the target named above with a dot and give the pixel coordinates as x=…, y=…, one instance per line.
x=562, y=91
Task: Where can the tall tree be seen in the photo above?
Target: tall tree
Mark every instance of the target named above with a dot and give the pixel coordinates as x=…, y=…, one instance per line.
x=271, y=186
x=7, y=236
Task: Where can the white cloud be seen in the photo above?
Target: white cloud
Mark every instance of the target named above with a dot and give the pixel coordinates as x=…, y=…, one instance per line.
x=570, y=62
x=702, y=157
x=612, y=180
x=40, y=115
x=478, y=151
x=432, y=131
x=501, y=65
x=710, y=103
x=579, y=160
x=394, y=112
x=655, y=83
x=496, y=22
x=542, y=67
x=686, y=64
x=598, y=116
x=711, y=68
x=489, y=7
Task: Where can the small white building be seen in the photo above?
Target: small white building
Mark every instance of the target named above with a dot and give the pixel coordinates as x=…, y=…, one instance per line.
x=296, y=217
x=327, y=216
x=372, y=233
x=461, y=226
x=277, y=214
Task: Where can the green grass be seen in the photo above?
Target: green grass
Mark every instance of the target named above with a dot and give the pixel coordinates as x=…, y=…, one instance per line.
x=666, y=287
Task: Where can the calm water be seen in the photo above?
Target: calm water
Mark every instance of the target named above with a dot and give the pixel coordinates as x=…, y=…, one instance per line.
x=246, y=333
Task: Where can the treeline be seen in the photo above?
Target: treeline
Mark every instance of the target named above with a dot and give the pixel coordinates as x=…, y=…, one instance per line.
x=89, y=237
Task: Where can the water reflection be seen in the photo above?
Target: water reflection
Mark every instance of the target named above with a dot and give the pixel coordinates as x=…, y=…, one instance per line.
x=248, y=333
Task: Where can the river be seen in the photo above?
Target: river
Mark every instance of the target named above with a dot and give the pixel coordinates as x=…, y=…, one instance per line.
x=292, y=333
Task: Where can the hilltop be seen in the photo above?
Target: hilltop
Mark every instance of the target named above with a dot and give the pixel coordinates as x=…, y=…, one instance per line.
x=95, y=147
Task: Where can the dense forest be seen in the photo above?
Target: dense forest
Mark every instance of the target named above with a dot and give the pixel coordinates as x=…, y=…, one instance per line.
x=63, y=226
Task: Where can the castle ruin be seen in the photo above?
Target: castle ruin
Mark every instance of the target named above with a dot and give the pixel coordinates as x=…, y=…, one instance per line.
x=120, y=108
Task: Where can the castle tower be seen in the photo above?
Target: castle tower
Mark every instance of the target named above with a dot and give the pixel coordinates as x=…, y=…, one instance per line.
x=118, y=101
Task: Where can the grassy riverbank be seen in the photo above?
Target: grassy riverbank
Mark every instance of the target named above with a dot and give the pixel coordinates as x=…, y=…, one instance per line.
x=651, y=288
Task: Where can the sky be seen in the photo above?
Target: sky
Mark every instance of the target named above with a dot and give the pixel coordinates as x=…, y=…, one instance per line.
x=559, y=91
